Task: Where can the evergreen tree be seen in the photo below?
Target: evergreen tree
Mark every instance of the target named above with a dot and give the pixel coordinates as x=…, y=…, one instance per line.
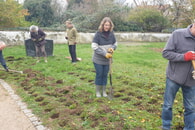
x=40, y=12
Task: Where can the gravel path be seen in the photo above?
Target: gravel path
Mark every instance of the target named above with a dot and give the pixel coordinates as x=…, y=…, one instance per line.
x=14, y=114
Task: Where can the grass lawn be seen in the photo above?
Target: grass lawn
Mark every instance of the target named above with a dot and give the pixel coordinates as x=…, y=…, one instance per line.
x=63, y=95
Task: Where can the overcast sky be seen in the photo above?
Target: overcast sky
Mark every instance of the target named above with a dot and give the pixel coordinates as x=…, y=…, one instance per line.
x=149, y=1
x=131, y=1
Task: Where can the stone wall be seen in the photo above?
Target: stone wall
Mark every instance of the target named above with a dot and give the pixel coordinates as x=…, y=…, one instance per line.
x=18, y=37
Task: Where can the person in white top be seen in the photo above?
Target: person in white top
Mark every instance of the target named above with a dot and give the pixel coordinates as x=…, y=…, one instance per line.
x=2, y=60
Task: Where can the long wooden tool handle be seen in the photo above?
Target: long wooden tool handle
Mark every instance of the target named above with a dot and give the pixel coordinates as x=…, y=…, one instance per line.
x=110, y=65
x=193, y=72
x=21, y=72
x=193, y=63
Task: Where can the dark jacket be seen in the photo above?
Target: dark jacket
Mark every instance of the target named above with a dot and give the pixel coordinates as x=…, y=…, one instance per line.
x=101, y=43
x=179, y=70
x=38, y=37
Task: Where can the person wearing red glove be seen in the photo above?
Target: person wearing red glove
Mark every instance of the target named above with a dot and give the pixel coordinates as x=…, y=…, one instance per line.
x=179, y=51
x=190, y=55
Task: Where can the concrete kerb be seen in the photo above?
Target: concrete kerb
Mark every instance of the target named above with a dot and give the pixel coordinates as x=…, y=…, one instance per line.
x=35, y=120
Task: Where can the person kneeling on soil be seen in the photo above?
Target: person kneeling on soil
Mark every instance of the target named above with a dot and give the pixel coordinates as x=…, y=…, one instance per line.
x=2, y=60
x=38, y=36
x=104, y=44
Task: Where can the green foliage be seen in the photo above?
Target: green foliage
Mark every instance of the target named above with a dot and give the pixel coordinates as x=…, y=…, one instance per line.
x=40, y=12
x=149, y=19
x=124, y=26
x=86, y=16
x=12, y=14
x=73, y=2
x=90, y=22
x=84, y=22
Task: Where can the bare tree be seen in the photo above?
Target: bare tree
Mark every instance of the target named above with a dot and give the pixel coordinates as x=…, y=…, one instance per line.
x=183, y=12
x=180, y=12
x=59, y=6
x=188, y=10
x=120, y=1
x=135, y=2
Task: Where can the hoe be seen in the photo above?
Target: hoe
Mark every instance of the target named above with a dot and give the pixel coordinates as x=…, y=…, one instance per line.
x=16, y=71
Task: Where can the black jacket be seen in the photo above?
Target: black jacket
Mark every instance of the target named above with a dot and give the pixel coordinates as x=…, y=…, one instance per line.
x=38, y=37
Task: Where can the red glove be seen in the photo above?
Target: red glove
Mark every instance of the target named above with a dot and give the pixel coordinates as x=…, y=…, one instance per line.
x=190, y=55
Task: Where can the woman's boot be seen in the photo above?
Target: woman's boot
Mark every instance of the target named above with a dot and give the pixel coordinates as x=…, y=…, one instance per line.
x=104, y=91
x=98, y=93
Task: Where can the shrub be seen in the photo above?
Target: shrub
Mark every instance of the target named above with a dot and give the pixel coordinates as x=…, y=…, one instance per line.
x=89, y=22
x=40, y=12
x=149, y=19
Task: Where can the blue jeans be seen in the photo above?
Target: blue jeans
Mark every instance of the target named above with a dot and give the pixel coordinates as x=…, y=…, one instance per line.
x=101, y=74
x=188, y=102
x=2, y=60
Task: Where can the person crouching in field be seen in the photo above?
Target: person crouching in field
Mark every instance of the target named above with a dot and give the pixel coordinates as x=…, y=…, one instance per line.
x=72, y=37
x=2, y=60
x=38, y=36
x=104, y=43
